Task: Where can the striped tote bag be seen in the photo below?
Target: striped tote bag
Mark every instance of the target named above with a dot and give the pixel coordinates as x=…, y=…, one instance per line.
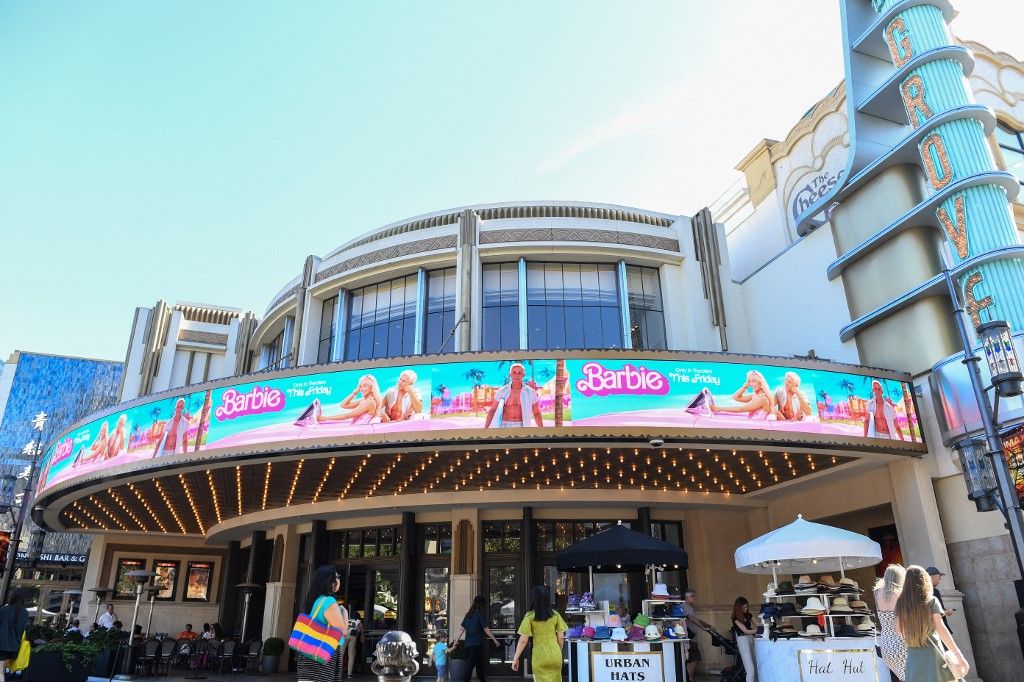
x=316, y=640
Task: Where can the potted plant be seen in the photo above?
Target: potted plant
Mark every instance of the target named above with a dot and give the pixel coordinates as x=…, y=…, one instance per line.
x=106, y=642
x=62, y=660
x=458, y=660
x=272, y=650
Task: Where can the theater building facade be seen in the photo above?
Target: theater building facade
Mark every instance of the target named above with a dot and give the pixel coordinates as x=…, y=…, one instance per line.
x=441, y=405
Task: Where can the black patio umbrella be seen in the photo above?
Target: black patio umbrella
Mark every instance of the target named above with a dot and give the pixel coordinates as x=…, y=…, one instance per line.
x=618, y=549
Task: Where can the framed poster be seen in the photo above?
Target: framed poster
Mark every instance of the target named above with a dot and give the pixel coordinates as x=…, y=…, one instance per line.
x=166, y=578
x=124, y=586
x=198, y=579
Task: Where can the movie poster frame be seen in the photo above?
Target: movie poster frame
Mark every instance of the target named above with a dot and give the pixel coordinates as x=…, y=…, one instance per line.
x=210, y=565
x=133, y=564
x=174, y=583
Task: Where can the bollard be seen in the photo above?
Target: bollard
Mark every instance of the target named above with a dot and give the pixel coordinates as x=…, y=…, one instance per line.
x=395, y=658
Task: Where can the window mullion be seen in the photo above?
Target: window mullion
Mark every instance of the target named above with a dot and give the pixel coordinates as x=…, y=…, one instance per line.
x=627, y=332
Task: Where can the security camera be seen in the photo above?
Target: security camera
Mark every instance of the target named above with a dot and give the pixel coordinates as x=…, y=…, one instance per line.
x=657, y=442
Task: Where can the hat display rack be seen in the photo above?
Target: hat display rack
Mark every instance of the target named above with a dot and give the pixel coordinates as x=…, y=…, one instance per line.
x=604, y=552
x=807, y=548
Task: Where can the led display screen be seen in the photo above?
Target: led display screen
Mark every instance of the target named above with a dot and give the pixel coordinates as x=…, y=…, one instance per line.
x=491, y=394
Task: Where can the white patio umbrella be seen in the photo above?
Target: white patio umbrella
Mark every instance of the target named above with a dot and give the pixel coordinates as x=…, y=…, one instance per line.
x=807, y=547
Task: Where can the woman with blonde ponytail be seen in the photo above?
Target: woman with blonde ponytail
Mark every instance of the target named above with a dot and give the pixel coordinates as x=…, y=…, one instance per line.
x=887, y=591
x=918, y=621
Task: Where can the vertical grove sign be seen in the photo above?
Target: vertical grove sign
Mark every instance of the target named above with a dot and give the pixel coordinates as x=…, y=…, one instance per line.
x=626, y=666
x=835, y=665
x=973, y=215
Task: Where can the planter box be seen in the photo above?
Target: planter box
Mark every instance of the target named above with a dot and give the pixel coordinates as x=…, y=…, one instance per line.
x=269, y=663
x=103, y=666
x=49, y=667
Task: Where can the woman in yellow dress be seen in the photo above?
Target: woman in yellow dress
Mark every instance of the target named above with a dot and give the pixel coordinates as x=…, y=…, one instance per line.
x=547, y=628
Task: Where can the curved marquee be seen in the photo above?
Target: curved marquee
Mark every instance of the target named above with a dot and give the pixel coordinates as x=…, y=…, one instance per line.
x=577, y=395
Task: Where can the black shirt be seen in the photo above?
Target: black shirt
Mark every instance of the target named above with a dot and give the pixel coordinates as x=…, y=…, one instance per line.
x=748, y=622
x=938, y=595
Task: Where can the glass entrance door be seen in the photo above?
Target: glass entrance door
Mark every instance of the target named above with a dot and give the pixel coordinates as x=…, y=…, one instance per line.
x=504, y=593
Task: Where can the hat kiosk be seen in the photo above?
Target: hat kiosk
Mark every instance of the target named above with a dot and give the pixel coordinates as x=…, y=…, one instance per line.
x=661, y=655
x=843, y=650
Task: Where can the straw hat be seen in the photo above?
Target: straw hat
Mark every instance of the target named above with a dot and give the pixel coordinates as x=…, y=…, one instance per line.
x=859, y=606
x=813, y=607
x=839, y=604
x=827, y=580
x=812, y=631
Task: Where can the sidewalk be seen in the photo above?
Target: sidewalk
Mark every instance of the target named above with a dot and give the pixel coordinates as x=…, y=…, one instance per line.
x=290, y=677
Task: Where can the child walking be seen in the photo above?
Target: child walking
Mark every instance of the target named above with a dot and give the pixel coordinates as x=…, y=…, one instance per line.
x=439, y=656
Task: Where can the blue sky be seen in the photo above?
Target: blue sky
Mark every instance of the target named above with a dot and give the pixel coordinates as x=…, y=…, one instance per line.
x=199, y=151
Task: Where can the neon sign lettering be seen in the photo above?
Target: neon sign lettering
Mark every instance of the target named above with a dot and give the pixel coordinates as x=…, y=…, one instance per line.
x=257, y=401
x=626, y=381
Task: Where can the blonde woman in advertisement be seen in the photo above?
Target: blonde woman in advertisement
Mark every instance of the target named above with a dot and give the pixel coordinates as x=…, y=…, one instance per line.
x=117, y=444
x=887, y=591
x=364, y=410
x=919, y=622
x=97, y=449
x=758, y=404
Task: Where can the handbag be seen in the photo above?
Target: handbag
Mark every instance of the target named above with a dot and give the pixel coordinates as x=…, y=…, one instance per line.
x=24, y=652
x=313, y=639
x=957, y=669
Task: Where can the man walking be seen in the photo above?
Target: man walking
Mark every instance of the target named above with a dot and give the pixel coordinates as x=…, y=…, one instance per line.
x=936, y=575
x=693, y=653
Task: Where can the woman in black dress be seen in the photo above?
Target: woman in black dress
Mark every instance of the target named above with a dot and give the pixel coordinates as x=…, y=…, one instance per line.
x=13, y=621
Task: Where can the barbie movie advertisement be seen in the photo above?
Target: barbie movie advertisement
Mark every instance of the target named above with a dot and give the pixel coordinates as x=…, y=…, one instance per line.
x=720, y=395
x=490, y=394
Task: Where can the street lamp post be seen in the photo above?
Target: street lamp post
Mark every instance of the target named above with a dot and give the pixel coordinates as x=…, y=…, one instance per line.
x=12, y=552
x=140, y=578
x=1006, y=382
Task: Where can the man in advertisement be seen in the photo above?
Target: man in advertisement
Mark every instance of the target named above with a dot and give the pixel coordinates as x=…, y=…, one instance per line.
x=402, y=401
x=792, y=404
x=515, y=401
x=175, y=432
x=880, y=415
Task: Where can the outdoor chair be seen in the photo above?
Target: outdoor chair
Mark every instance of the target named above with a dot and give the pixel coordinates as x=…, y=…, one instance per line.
x=226, y=655
x=253, y=652
x=213, y=649
x=168, y=651
x=148, y=656
x=180, y=657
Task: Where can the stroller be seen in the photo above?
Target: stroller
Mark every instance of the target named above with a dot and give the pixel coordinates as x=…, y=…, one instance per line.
x=734, y=672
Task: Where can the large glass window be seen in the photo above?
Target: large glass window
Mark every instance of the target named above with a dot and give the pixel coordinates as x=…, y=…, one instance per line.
x=327, y=330
x=646, y=315
x=438, y=333
x=572, y=305
x=436, y=538
x=501, y=307
x=367, y=543
x=1011, y=143
x=270, y=358
x=382, y=320
x=502, y=537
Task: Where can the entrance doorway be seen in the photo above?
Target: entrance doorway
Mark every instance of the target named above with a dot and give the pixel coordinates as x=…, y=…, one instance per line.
x=503, y=582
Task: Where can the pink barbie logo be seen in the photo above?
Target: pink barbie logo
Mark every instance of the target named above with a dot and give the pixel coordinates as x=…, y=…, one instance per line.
x=626, y=381
x=257, y=401
x=63, y=450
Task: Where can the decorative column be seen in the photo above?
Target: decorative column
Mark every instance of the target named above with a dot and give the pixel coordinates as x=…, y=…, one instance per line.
x=407, y=574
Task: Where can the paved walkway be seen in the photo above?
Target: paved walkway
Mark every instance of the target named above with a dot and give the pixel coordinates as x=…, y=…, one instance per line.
x=290, y=677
